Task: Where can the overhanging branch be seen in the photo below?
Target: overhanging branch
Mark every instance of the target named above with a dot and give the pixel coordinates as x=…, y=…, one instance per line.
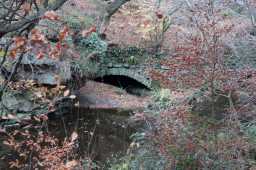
x=110, y=11
x=114, y=6
x=14, y=26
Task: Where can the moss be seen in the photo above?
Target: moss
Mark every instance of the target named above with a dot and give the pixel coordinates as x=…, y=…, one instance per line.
x=86, y=68
x=76, y=20
x=92, y=43
x=156, y=84
x=129, y=55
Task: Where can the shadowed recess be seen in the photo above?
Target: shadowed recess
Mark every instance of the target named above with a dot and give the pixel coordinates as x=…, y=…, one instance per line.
x=131, y=85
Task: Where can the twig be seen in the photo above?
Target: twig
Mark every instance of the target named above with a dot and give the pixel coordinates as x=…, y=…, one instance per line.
x=13, y=72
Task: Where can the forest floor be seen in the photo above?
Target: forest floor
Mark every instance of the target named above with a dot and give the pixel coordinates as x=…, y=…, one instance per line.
x=132, y=25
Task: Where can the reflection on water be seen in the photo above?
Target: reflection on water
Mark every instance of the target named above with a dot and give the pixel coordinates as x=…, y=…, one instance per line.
x=102, y=133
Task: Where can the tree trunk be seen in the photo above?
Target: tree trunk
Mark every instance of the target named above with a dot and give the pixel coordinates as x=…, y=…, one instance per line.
x=110, y=11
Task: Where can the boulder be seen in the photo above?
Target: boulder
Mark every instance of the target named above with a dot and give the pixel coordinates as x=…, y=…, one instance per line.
x=18, y=101
x=50, y=29
x=243, y=102
x=31, y=59
x=45, y=71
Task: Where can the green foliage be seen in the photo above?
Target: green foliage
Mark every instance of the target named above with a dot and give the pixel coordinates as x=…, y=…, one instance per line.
x=50, y=28
x=130, y=55
x=121, y=165
x=2, y=52
x=228, y=13
x=77, y=21
x=93, y=43
x=133, y=51
x=166, y=24
x=86, y=67
x=250, y=130
x=187, y=162
x=162, y=98
x=88, y=164
x=132, y=60
x=162, y=95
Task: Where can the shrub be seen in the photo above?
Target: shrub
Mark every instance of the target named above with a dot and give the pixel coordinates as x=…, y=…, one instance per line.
x=162, y=99
x=32, y=148
x=141, y=156
x=93, y=43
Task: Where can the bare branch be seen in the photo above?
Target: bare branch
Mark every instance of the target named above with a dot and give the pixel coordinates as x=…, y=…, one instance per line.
x=14, y=26
x=111, y=10
x=114, y=6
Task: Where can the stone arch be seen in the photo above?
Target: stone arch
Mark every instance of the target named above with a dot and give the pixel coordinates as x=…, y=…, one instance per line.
x=133, y=74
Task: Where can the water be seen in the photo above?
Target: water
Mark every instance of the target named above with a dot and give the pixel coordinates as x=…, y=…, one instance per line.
x=102, y=134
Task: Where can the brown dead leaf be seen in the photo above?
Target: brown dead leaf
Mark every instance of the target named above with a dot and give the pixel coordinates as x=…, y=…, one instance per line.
x=36, y=118
x=71, y=164
x=44, y=117
x=63, y=33
x=8, y=143
x=20, y=41
x=12, y=117
x=37, y=37
x=51, y=15
x=86, y=33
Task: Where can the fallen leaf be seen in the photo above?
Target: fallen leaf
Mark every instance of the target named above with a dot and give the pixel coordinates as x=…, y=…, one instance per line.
x=86, y=33
x=71, y=164
x=20, y=41
x=44, y=117
x=74, y=136
x=66, y=93
x=37, y=37
x=12, y=117
x=38, y=94
x=63, y=33
x=77, y=104
x=36, y=118
x=72, y=96
x=51, y=15
x=40, y=55
x=2, y=130
x=13, y=53
x=8, y=143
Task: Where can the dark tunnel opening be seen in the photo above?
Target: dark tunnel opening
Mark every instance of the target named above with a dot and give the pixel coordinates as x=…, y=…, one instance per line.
x=131, y=85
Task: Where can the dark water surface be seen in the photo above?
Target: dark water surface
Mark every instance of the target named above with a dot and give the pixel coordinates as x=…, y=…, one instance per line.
x=102, y=134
